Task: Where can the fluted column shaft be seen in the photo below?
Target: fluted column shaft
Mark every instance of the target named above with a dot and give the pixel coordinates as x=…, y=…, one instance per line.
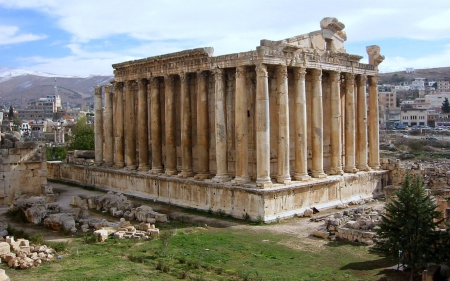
x=142, y=112
x=300, y=119
x=118, y=125
x=108, y=127
x=283, y=167
x=262, y=128
x=98, y=125
x=336, y=124
x=220, y=127
x=186, y=128
x=362, y=123
x=317, y=125
x=155, y=126
x=374, y=146
x=202, y=126
x=171, y=155
x=130, y=136
x=350, y=134
x=241, y=127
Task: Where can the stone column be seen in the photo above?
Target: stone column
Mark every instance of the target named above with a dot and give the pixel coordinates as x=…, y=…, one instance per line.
x=374, y=146
x=118, y=125
x=241, y=127
x=108, y=128
x=98, y=128
x=262, y=128
x=336, y=124
x=142, y=134
x=283, y=175
x=202, y=126
x=155, y=126
x=350, y=145
x=221, y=127
x=300, y=119
x=317, y=125
x=186, y=128
x=130, y=135
x=362, y=123
x=171, y=154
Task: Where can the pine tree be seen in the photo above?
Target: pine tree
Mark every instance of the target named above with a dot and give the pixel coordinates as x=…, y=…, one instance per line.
x=445, y=106
x=409, y=228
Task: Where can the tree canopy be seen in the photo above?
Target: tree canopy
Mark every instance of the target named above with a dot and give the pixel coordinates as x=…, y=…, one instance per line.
x=83, y=136
x=409, y=227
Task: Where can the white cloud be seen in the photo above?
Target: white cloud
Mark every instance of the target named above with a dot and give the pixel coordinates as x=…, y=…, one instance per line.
x=398, y=63
x=10, y=35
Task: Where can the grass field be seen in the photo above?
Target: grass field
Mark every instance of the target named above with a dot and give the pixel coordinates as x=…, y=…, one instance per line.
x=206, y=253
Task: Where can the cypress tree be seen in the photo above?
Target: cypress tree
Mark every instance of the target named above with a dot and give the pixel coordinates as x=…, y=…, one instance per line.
x=409, y=227
x=445, y=106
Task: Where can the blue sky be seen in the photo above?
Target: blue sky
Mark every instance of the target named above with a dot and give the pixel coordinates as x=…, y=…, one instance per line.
x=78, y=37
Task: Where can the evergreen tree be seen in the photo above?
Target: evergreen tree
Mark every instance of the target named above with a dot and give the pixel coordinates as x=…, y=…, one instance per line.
x=446, y=106
x=11, y=113
x=409, y=227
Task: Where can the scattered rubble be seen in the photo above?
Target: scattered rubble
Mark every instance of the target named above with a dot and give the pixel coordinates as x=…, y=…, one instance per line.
x=19, y=254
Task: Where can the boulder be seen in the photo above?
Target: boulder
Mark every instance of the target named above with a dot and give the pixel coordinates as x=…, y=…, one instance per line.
x=36, y=213
x=5, y=248
x=62, y=221
x=102, y=235
x=308, y=212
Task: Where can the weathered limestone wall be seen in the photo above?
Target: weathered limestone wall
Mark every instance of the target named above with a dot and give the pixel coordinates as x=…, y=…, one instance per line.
x=23, y=170
x=281, y=201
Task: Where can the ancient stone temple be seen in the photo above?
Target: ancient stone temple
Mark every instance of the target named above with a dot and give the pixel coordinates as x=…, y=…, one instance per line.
x=268, y=132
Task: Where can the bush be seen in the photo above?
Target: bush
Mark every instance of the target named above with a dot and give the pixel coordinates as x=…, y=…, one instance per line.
x=58, y=246
x=17, y=215
x=37, y=239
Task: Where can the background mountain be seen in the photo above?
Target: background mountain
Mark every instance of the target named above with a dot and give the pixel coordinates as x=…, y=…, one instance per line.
x=432, y=74
x=18, y=87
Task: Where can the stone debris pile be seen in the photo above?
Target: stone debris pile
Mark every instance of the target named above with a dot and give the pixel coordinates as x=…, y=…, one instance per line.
x=19, y=254
x=118, y=205
x=127, y=231
x=355, y=225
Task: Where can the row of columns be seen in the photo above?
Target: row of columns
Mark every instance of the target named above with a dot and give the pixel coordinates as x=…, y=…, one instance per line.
x=123, y=152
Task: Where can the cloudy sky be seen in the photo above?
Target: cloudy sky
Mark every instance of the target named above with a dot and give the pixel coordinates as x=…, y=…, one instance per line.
x=82, y=37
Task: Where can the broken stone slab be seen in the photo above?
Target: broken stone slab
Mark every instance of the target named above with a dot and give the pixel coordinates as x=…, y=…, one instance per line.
x=321, y=234
x=86, y=154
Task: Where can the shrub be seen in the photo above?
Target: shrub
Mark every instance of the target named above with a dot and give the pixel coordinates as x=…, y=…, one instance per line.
x=60, y=246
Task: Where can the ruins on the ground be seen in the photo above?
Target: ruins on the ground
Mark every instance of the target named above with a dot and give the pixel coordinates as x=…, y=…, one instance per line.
x=265, y=133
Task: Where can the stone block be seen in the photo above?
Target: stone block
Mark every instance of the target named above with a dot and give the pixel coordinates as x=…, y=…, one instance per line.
x=321, y=234
x=5, y=248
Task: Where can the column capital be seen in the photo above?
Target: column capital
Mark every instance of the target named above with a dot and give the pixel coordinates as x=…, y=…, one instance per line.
x=335, y=76
x=373, y=80
x=349, y=79
x=153, y=81
x=218, y=72
x=362, y=80
x=118, y=86
x=282, y=71
x=317, y=74
x=261, y=70
x=108, y=88
x=184, y=77
x=240, y=72
x=202, y=74
x=98, y=90
x=142, y=82
x=299, y=73
x=170, y=79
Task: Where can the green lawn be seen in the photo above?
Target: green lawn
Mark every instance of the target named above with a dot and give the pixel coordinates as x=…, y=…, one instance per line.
x=196, y=253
